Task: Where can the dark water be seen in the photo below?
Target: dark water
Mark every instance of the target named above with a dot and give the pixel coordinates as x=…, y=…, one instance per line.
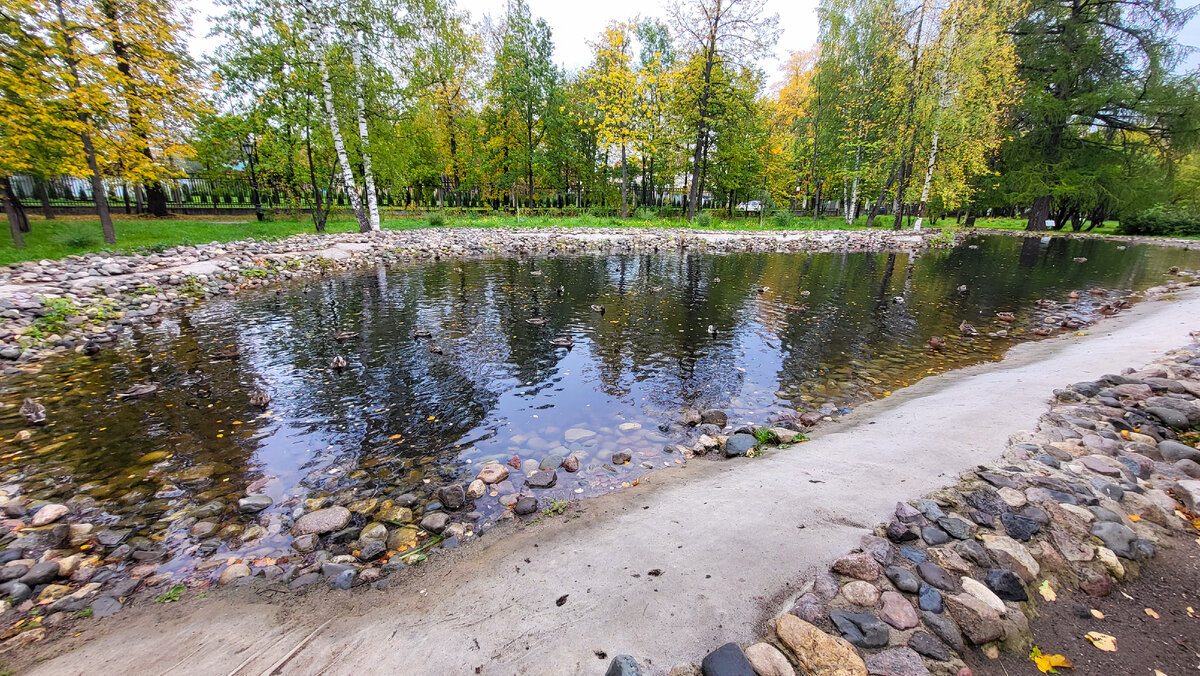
x=401, y=418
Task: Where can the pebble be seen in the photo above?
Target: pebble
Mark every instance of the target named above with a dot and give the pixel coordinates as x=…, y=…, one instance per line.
x=542, y=479
x=435, y=522
x=234, y=572
x=896, y=662
x=897, y=611
x=860, y=566
x=48, y=514
x=929, y=646
x=525, y=505
x=903, y=579
x=862, y=629
x=623, y=665
x=860, y=593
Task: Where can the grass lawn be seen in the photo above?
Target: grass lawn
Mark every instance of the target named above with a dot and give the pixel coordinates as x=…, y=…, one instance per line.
x=67, y=235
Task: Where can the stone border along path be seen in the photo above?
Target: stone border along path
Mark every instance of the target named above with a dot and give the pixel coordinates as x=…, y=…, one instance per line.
x=699, y=557
x=1082, y=501
x=105, y=293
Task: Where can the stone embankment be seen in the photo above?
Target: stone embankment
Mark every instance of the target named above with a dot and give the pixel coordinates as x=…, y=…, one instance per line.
x=83, y=302
x=1083, y=501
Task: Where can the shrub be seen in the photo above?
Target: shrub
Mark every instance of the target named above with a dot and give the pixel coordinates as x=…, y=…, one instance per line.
x=81, y=242
x=703, y=220
x=783, y=219
x=437, y=219
x=645, y=214
x=1160, y=222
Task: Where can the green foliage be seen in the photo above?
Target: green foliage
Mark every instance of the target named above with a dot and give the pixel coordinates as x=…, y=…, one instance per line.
x=703, y=220
x=556, y=508
x=1161, y=221
x=53, y=319
x=645, y=214
x=945, y=238
x=437, y=219
x=171, y=595
x=764, y=435
x=783, y=219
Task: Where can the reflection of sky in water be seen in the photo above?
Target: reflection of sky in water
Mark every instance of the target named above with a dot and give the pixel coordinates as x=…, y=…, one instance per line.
x=400, y=415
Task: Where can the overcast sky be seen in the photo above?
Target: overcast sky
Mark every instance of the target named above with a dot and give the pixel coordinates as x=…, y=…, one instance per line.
x=574, y=23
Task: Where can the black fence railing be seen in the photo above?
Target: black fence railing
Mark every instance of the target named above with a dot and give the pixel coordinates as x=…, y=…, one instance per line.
x=199, y=195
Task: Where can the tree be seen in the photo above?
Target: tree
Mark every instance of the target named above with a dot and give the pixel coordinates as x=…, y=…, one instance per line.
x=731, y=31
x=616, y=95
x=1099, y=76
x=522, y=81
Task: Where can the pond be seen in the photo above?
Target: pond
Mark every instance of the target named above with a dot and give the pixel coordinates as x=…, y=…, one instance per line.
x=456, y=363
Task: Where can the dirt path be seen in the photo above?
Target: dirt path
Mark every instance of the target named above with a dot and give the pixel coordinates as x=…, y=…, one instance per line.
x=729, y=539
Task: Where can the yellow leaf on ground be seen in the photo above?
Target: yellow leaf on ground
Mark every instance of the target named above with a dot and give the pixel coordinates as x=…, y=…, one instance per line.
x=1102, y=641
x=1151, y=613
x=1134, y=518
x=1047, y=591
x=1158, y=673
x=1047, y=664
x=1097, y=614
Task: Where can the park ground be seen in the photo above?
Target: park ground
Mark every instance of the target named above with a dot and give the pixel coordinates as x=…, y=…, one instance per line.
x=75, y=235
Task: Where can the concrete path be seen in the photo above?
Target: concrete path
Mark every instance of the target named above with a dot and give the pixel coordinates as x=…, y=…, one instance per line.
x=730, y=539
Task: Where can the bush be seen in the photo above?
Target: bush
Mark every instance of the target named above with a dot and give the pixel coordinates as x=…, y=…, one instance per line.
x=437, y=219
x=783, y=219
x=1160, y=222
x=82, y=242
x=645, y=214
x=703, y=220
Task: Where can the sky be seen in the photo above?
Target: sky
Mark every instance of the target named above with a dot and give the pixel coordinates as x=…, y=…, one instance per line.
x=574, y=23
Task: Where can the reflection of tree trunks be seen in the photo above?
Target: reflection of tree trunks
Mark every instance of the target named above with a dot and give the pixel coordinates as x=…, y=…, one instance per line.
x=1031, y=247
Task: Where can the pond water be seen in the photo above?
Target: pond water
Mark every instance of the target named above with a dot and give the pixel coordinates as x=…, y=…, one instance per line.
x=790, y=332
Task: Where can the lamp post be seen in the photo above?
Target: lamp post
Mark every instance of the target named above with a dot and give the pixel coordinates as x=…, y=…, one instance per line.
x=250, y=150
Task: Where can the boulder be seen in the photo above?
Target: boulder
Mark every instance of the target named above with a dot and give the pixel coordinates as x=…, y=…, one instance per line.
x=740, y=445
x=979, y=621
x=818, y=653
x=728, y=660
x=768, y=661
x=322, y=521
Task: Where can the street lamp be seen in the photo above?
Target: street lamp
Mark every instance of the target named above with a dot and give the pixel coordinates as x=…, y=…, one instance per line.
x=249, y=149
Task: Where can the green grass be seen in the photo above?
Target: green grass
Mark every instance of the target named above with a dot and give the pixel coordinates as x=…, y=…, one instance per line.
x=74, y=235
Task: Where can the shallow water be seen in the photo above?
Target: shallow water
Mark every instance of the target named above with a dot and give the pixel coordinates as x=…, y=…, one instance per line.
x=401, y=418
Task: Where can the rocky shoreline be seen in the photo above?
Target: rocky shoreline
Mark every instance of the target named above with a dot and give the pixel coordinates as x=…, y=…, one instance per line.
x=82, y=303
x=1081, y=502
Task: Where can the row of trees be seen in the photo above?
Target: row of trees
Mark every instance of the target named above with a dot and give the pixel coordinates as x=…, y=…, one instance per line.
x=1072, y=111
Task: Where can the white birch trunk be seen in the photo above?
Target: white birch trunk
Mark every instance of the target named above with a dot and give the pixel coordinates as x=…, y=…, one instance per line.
x=368, y=174
x=852, y=209
x=339, y=144
x=933, y=151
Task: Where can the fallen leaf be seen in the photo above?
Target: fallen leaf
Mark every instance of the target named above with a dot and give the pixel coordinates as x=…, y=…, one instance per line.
x=1190, y=612
x=1102, y=641
x=1134, y=518
x=1151, y=613
x=1047, y=664
x=1047, y=591
x=1158, y=673
x=1097, y=614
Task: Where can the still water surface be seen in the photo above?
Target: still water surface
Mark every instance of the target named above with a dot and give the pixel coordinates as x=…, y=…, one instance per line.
x=789, y=333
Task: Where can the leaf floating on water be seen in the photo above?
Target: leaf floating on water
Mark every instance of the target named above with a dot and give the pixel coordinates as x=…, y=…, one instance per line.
x=1047, y=591
x=1049, y=664
x=1102, y=641
x=1151, y=613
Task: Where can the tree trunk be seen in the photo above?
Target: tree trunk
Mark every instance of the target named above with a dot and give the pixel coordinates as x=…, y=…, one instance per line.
x=85, y=134
x=624, y=185
x=1039, y=213
x=339, y=145
x=368, y=175
x=852, y=208
x=43, y=195
x=318, y=213
x=701, y=150
x=882, y=193
x=15, y=212
x=933, y=151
